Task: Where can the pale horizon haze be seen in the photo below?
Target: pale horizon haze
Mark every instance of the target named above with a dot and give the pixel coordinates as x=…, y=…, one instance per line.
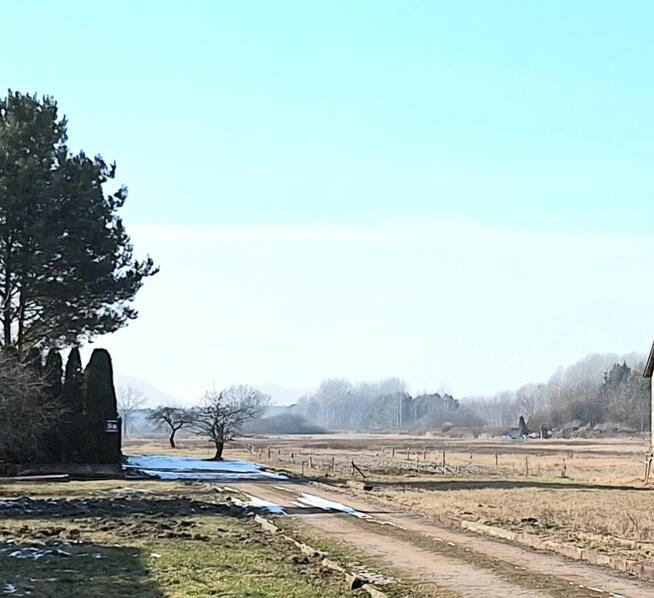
x=456, y=194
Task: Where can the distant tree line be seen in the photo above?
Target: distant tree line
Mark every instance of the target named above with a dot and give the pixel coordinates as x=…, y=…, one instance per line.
x=339, y=404
x=599, y=390
x=605, y=390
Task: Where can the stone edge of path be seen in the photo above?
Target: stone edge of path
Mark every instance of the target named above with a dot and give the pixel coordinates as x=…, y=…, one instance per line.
x=641, y=568
x=353, y=580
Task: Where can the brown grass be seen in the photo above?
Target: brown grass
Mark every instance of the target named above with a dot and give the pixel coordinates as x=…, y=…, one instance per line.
x=601, y=503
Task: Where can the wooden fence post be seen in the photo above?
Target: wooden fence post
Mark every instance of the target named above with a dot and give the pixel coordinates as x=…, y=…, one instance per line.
x=496, y=463
x=355, y=468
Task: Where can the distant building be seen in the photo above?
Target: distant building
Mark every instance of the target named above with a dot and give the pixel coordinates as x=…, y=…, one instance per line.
x=649, y=370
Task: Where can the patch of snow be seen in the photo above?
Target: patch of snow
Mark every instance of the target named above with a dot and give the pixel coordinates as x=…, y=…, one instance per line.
x=258, y=503
x=168, y=463
x=328, y=505
x=166, y=467
x=190, y=475
x=130, y=491
x=32, y=554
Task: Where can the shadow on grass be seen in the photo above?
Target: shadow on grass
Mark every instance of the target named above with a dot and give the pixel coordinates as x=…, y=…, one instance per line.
x=38, y=508
x=57, y=569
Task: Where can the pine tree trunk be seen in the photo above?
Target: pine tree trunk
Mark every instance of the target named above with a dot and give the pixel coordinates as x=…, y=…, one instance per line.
x=6, y=315
x=219, y=451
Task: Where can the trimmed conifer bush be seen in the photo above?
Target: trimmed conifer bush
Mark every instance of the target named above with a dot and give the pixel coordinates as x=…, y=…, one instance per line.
x=100, y=402
x=73, y=436
x=53, y=446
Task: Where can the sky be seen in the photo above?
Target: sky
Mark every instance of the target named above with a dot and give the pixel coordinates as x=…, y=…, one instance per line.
x=457, y=194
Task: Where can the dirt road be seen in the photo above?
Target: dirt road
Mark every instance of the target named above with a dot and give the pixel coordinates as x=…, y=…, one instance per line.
x=417, y=549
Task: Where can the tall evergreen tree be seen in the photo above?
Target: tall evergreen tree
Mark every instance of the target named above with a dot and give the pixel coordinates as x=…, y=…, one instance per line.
x=53, y=374
x=34, y=359
x=73, y=438
x=67, y=270
x=100, y=401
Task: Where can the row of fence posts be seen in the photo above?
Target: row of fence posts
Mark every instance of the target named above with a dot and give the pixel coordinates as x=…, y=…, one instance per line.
x=331, y=466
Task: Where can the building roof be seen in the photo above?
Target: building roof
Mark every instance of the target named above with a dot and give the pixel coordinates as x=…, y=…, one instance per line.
x=649, y=366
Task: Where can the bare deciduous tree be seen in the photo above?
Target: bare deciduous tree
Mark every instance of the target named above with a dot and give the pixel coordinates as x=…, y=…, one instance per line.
x=223, y=413
x=175, y=418
x=129, y=399
x=26, y=413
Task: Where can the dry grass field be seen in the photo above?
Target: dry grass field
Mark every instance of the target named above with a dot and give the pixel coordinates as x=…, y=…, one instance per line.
x=589, y=493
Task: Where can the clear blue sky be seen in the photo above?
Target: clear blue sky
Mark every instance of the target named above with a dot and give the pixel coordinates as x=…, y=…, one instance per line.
x=398, y=188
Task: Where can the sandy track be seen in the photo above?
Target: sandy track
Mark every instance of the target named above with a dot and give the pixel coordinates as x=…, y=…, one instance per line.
x=421, y=550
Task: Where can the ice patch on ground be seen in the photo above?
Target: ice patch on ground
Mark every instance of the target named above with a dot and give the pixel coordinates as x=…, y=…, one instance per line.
x=167, y=467
x=200, y=476
x=254, y=502
x=329, y=505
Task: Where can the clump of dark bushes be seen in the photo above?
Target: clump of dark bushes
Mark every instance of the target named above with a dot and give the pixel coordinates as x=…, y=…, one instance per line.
x=284, y=423
x=51, y=416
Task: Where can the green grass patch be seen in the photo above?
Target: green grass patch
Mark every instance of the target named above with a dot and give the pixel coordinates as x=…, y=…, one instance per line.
x=91, y=541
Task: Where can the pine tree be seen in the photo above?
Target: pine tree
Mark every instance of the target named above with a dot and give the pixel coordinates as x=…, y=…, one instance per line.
x=100, y=400
x=67, y=269
x=73, y=436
